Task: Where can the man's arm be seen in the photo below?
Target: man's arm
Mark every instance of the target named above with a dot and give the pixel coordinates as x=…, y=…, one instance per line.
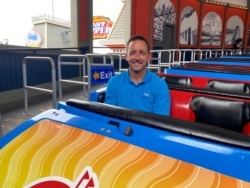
x=110, y=97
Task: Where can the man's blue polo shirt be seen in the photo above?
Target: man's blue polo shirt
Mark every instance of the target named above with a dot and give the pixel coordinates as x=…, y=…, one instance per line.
x=151, y=95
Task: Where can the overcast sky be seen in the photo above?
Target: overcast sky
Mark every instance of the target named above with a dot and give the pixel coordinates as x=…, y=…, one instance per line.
x=15, y=15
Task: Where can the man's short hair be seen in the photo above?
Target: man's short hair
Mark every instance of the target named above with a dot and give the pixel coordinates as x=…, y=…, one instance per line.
x=138, y=37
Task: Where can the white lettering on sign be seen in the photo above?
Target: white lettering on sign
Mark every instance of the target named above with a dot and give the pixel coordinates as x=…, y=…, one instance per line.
x=105, y=30
x=99, y=24
x=106, y=75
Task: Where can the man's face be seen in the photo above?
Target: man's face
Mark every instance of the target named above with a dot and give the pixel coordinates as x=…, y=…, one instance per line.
x=137, y=55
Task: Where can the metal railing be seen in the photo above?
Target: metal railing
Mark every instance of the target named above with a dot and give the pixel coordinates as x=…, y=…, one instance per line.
x=86, y=62
x=67, y=59
x=26, y=87
x=169, y=57
x=1, y=126
x=121, y=57
x=209, y=53
x=173, y=57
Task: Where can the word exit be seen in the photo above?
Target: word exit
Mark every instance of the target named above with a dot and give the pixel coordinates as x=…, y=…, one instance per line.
x=101, y=75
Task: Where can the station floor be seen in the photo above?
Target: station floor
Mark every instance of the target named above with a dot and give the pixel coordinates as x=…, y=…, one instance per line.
x=16, y=115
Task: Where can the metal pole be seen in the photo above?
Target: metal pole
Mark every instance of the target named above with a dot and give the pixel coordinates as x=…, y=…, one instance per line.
x=53, y=10
x=24, y=87
x=1, y=126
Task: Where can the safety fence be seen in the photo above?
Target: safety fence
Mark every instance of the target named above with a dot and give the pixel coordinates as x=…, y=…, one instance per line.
x=92, y=73
x=168, y=58
x=96, y=68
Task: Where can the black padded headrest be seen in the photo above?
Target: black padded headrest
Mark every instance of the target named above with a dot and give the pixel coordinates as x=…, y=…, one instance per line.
x=183, y=81
x=226, y=86
x=164, y=123
x=229, y=114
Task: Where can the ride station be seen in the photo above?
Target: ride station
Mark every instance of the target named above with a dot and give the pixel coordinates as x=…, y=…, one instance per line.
x=205, y=142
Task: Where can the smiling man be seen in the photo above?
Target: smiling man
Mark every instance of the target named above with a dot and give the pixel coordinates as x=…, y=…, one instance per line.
x=139, y=88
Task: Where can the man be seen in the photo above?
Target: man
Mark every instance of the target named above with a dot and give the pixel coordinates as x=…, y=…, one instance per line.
x=139, y=88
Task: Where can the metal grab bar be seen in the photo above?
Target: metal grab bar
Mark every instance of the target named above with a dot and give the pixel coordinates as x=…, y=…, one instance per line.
x=180, y=56
x=86, y=74
x=173, y=57
x=1, y=126
x=81, y=62
x=121, y=56
x=26, y=87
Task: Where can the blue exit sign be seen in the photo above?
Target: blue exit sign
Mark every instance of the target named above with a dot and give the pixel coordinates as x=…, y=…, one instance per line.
x=101, y=74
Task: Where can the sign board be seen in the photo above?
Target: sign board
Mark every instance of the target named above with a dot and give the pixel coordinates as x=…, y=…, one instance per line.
x=101, y=74
x=101, y=27
x=33, y=39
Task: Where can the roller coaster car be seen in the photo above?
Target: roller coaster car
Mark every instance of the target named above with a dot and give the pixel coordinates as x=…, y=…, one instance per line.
x=91, y=144
x=203, y=105
x=217, y=84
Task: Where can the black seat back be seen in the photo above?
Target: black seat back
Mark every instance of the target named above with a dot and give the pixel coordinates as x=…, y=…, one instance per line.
x=226, y=86
x=225, y=113
x=183, y=81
